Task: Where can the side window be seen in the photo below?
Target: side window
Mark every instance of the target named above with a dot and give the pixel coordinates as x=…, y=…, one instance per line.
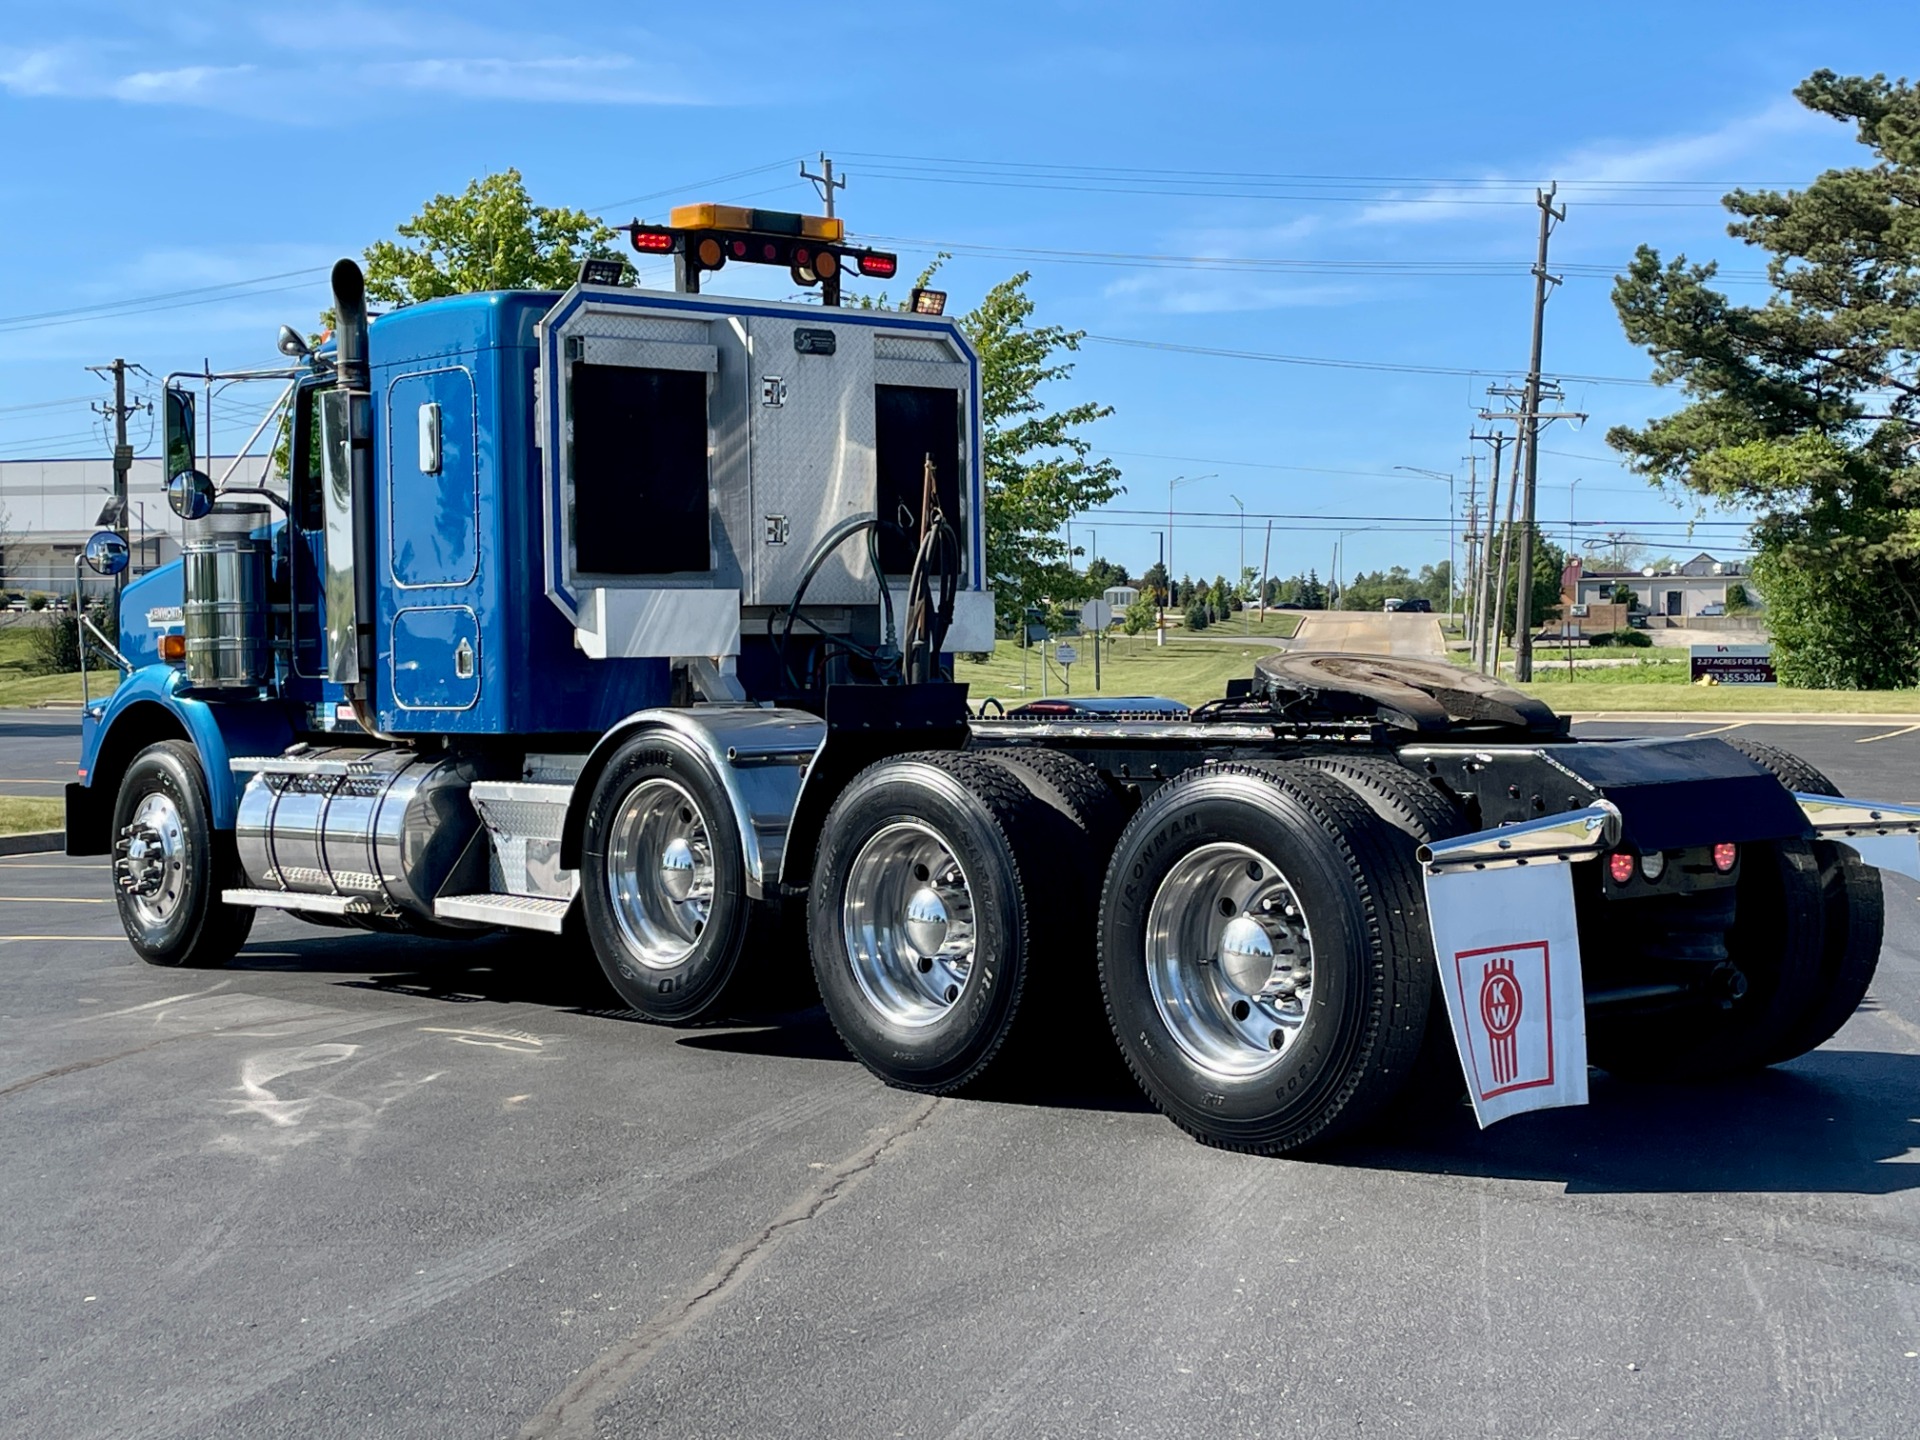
x=303, y=470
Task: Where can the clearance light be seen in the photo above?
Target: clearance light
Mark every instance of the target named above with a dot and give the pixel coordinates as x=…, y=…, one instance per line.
x=877, y=264
x=1653, y=866
x=651, y=240
x=928, y=302
x=1724, y=856
x=710, y=253
x=1620, y=867
x=173, y=648
x=826, y=264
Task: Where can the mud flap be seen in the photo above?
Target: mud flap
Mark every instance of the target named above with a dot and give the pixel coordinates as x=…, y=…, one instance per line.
x=1508, y=949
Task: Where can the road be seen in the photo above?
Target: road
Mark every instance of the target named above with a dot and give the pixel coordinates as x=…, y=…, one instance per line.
x=1363, y=632
x=38, y=751
x=361, y=1186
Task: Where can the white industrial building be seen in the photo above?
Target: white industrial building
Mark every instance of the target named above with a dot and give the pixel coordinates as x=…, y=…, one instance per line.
x=1676, y=591
x=48, y=508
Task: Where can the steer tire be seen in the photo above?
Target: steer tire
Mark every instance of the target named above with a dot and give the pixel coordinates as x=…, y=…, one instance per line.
x=1423, y=812
x=918, y=1021
x=1855, y=912
x=184, y=922
x=1352, y=879
x=674, y=961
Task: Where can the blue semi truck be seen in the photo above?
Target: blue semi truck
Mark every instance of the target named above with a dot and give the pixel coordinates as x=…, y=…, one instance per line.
x=632, y=616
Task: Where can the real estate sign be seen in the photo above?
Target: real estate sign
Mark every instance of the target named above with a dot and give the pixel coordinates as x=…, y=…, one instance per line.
x=1734, y=664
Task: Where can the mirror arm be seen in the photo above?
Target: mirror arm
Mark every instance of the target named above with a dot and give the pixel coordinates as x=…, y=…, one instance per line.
x=285, y=509
x=273, y=414
x=107, y=647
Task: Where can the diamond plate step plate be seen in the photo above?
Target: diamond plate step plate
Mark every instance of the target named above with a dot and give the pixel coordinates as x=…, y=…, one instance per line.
x=521, y=912
x=295, y=900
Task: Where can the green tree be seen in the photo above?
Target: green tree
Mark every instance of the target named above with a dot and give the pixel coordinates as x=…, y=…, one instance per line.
x=1103, y=574
x=1154, y=582
x=1804, y=408
x=1142, y=615
x=1197, y=617
x=1040, y=467
x=490, y=237
x=1549, y=560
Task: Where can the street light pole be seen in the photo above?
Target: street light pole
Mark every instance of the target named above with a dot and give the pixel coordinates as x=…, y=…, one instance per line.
x=1173, y=485
x=1160, y=608
x=1240, y=575
x=1452, y=557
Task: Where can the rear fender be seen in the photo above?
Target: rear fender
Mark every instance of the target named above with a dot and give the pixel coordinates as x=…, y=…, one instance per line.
x=146, y=709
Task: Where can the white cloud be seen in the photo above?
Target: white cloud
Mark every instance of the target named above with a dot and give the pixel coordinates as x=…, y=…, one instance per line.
x=1597, y=171
x=1176, y=292
x=565, y=79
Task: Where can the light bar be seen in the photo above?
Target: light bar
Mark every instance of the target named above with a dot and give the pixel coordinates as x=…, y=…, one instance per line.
x=765, y=222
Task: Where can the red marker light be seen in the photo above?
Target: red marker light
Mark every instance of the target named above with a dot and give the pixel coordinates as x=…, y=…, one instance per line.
x=655, y=242
x=1620, y=866
x=1724, y=856
x=877, y=264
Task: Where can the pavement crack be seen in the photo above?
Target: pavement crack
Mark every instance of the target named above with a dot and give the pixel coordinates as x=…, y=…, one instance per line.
x=574, y=1412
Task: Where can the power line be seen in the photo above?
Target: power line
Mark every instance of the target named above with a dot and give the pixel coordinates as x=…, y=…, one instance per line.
x=1395, y=367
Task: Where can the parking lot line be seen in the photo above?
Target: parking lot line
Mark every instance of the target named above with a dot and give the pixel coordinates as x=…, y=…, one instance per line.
x=111, y=939
x=1904, y=730
x=1718, y=730
x=52, y=900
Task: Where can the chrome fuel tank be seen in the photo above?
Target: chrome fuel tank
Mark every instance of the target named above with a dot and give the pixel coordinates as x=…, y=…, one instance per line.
x=384, y=825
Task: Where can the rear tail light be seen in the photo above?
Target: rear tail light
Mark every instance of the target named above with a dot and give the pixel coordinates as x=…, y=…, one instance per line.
x=1620, y=867
x=877, y=264
x=1725, y=854
x=654, y=242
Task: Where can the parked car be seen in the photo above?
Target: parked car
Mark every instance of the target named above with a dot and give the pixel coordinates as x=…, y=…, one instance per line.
x=1711, y=610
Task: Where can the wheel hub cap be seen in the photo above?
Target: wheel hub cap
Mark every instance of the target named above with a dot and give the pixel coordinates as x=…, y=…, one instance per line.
x=660, y=875
x=926, y=922
x=150, y=859
x=1229, y=959
x=907, y=923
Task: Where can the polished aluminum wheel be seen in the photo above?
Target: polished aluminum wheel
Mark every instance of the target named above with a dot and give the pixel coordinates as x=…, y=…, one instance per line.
x=907, y=922
x=150, y=860
x=660, y=872
x=1229, y=959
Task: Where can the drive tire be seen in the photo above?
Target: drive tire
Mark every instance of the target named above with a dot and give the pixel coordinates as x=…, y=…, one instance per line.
x=162, y=802
x=973, y=834
x=1350, y=875
x=1424, y=813
x=674, y=960
x=1855, y=913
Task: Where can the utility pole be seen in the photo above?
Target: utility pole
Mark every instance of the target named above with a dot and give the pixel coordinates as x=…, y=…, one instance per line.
x=1472, y=547
x=825, y=182
x=1163, y=592
x=122, y=456
x=1483, y=598
x=1266, y=557
x=1523, y=605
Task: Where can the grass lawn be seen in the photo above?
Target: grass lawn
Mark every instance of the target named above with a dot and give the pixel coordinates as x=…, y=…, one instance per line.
x=1659, y=681
x=20, y=817
x=18, y=686
x=1186, y=668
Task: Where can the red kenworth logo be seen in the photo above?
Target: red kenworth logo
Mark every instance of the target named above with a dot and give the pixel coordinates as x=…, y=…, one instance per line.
x=1500, y=1012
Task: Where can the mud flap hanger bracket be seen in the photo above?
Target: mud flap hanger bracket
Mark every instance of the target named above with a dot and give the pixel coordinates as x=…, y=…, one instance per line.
x=1886, y=836
x=1553, y=839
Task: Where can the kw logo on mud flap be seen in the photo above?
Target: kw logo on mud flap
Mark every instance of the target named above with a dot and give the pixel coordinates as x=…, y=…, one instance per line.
x=1509, y=1013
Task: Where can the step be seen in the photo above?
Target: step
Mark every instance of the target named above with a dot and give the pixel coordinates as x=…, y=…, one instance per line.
x=296, y=900
x=520, y=912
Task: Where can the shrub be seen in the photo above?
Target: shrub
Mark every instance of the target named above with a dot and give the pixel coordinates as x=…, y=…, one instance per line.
x=1602, y=640
x=1738, y=601
x=1196, y=617
x=36, y=601
x=1639, y=639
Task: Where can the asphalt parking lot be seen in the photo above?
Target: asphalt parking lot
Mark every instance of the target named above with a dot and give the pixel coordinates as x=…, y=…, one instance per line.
x=357, y=1186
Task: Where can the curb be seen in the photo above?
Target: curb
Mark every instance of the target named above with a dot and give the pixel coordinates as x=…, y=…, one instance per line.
x=35, y=842
x=1746, y=717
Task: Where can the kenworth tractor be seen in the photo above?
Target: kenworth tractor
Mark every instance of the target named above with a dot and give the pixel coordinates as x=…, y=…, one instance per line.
x=632, y=617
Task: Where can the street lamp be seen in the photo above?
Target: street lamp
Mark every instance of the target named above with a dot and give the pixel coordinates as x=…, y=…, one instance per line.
x=1452, y=560
x=1240, y=575
x=1160, y=592
x=1173, y=485
x=1573, y=532
x=1339, y=545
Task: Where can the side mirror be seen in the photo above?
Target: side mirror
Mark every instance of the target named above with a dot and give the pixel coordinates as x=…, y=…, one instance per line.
x=190, y=493
x=106, y=553
x=293, y=344
x=179, y=433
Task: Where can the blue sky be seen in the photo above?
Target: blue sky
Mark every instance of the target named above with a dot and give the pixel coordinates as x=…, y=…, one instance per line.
x=1360, y=175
